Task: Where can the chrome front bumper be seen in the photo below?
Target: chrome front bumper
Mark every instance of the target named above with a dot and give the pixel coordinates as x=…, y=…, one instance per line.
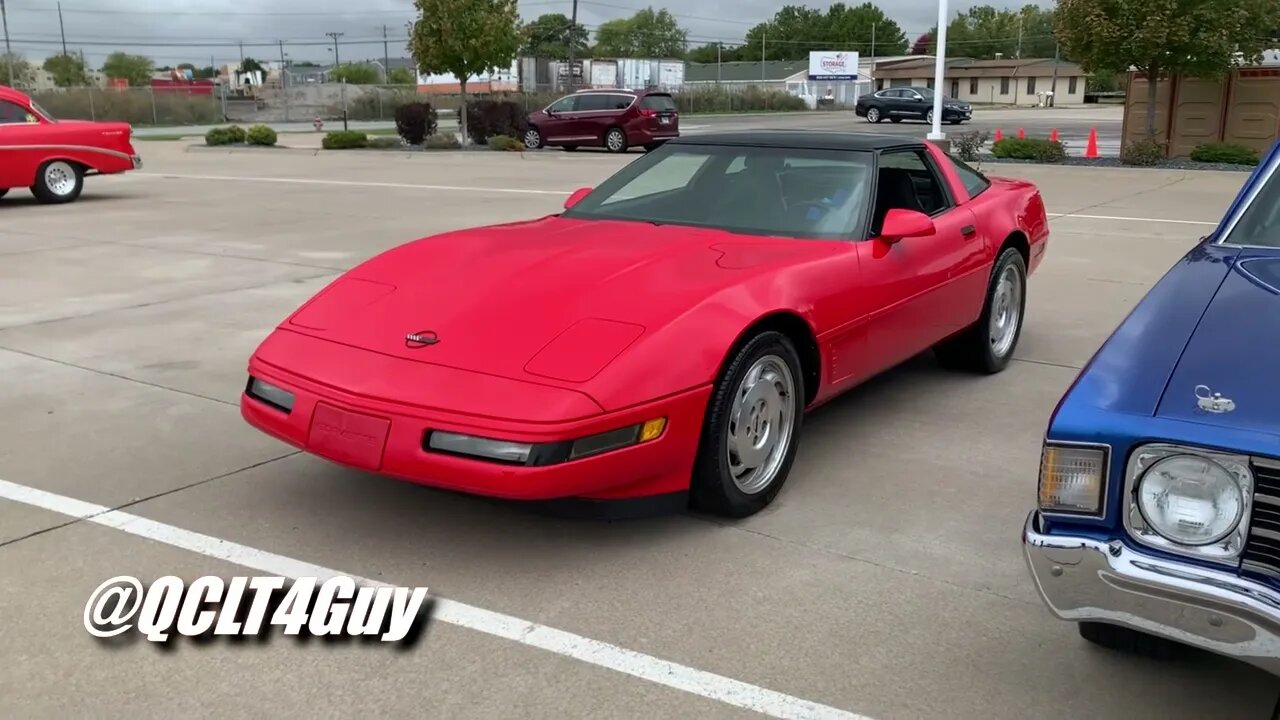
x=1085, y=580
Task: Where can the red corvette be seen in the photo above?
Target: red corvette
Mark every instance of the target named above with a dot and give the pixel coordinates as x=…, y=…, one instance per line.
x=52, y=157
x=665, y=335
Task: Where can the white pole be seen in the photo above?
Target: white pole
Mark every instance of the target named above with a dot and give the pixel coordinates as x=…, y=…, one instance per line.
x=939, y=72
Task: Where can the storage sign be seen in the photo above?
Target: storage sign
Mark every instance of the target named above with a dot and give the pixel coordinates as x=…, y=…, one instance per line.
x=833, y=65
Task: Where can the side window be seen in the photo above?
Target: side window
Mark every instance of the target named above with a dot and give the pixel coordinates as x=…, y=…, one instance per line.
x=564, y=105
x=891, y=94
x=594, y=102
x=907, y=181
x=661, y=103
x=974, y=182
x=619, y=102
x=11, y=113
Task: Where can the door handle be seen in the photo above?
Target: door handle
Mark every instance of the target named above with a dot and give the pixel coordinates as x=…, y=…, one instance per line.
x=968, y=231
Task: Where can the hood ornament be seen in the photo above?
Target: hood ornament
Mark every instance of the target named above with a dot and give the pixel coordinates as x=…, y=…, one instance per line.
x=420, y=339
x=1210, y=401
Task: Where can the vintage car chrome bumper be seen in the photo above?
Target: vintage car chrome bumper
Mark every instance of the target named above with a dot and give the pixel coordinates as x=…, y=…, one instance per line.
x=1081, y=579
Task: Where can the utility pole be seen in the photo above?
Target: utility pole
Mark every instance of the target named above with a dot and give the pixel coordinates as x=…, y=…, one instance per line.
x=1053, y=84
x=335, y=36
x=284, y=82
x=573, y=25
x=242, y=56
x=63, y=29
x=337, y=63
x=872, y=75
x=8, y=51
x=1018, y=55
x=386, y=58
x=764, y=42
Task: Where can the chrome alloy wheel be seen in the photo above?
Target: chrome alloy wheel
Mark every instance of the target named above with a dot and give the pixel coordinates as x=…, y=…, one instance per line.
x=1006, y=311
x=532, y=139
x=873, y=115
x=615, y=140
x=60, y=178
x=761, y=422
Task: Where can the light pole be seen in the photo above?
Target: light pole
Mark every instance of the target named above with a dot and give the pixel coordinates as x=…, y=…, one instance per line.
x=337, y=64
x=939, y=72
x=8, y=51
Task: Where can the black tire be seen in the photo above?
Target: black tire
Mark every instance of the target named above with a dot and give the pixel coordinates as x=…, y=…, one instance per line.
x=570, y=148
x=1133, y=642
x=955, y=122
x=971, y=350
x=533, y=139
x=615, y=141
x=3, y=192
x=928, y=116
x=712, y=488
x=873, y=115
x=47, y=187
x=895, y=120
x=654, y=146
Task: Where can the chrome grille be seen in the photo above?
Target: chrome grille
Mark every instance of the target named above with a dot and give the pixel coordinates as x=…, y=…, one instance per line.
x=1262, y=549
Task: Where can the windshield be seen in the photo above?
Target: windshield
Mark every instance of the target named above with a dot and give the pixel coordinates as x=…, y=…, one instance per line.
x=819, y=194
x=1260, y=222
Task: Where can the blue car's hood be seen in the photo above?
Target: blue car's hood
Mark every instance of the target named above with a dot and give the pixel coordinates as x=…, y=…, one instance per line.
x=1234, y=351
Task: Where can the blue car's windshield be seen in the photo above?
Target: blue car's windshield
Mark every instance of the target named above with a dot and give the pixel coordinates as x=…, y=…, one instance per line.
x=786, y=192
x=1260, y=222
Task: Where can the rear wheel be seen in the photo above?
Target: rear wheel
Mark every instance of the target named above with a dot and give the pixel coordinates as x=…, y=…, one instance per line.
x=1127, y=640
x=987, y=346
x=928, y=117
x=873, y=115
x=751, y=430
x=58, y=181
x=615, y=140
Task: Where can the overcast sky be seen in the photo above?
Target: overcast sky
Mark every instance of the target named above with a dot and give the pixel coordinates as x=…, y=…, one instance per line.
x=173, y=31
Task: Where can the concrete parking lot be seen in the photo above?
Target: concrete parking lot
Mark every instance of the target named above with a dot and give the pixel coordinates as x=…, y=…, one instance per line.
x=885, y=582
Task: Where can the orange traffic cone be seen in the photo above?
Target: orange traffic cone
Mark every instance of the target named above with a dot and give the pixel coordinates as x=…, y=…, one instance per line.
x=1091, y=150
x=1053, y=136
x=1021, y=135
x=999, y=135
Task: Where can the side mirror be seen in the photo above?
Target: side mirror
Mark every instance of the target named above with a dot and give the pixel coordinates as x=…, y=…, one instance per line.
x=899, y=224
x=580, y=193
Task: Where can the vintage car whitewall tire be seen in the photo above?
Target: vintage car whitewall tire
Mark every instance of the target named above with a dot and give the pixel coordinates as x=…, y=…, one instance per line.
x=751, y=429
x=988, y=345
x=58, y=181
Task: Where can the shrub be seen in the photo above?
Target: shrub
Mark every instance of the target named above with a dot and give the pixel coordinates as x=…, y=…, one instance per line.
x=487, y=118
x=751, y=99
x=1046, y=151
x=1143, y=152
x=966, y=146
x=443, y=141
x=386, y=142
x=1225, y=153
x=261, y=135
x=505, y=142
x=344, y=140
x=415, y=122
x=233, y=135
x=136, y=105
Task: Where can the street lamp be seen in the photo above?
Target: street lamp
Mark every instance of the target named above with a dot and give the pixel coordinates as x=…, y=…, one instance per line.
x=939, y=72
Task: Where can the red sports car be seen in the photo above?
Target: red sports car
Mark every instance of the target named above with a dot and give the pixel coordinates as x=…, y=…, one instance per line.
x=52, y=157
x=663, y=337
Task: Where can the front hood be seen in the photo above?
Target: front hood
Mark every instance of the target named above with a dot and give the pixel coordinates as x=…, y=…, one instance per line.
x=552, y=299
x=1234, y=352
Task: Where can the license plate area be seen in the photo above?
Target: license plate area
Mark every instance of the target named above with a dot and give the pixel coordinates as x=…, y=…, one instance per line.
x=348, y=437
x=665, y=120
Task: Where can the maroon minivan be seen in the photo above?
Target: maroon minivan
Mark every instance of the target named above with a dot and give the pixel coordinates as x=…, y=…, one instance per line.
x=614, y=119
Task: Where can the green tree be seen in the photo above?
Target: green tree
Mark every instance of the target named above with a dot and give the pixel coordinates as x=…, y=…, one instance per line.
x=23, y=74
x=478, y=36
x=402, y=76
x=551, y=35
x=712, y=52
x=1164, y=37
x=356, y=74
x=795, y=31
x=648, y=33
x=251, y=65
x=984, y=32
x=136, y=69
x=66, y=70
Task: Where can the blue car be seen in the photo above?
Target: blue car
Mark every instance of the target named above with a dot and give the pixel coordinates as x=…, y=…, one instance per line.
x=1158, y=518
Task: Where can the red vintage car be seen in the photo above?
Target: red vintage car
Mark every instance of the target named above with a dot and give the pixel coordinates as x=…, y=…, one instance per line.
x=52, y=157
x=664, y=336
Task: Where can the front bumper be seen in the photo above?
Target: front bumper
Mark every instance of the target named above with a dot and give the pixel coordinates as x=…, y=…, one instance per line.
x=1084, y=580
x=956, y=114
x=385, y=437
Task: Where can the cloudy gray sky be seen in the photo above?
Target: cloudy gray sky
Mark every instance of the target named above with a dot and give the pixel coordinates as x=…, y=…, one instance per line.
x=173, y=31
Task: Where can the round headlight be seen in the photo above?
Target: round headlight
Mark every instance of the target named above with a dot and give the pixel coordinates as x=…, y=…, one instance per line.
x=1190, y=500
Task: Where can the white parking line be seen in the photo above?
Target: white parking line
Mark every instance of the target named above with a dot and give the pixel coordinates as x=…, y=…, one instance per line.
x=646, y=667
x=526, y=191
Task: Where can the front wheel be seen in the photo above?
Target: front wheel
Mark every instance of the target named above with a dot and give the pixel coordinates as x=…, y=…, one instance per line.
x=1127, y=640
x=987, y=346
x=928, y=117
x=58, y=181
x=751, y=430
x=873, y=115
x=615, y=140
x=532, y=138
